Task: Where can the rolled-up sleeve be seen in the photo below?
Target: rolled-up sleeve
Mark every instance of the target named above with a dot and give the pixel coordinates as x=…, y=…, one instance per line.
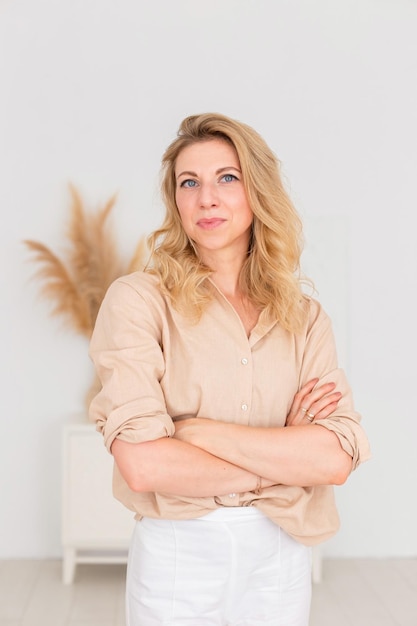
x=126, y=351
x=345, y=422
x=320, y=359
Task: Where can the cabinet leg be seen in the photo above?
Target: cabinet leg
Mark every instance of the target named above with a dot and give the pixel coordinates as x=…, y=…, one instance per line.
x=317, y=565
x=68, y=566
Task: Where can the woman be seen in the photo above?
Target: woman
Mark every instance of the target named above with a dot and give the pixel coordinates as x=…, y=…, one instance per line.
x=222, y=402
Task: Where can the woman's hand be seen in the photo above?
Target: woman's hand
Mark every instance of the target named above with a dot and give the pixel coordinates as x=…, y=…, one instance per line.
x=312, y=402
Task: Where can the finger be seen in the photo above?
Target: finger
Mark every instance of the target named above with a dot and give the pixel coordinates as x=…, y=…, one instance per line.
x=319, y=392
x=324, y=400
x=310, y=393
x=325, y=411
x=321, y=408
x=301, y=394
x=308, y=387
x=311, y=399
x=316, y=395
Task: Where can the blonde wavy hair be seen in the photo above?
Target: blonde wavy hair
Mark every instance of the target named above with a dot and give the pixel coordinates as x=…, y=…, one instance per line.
x=270, y=276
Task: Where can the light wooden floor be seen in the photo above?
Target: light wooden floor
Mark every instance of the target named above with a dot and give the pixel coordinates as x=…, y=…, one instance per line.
x=352, y=593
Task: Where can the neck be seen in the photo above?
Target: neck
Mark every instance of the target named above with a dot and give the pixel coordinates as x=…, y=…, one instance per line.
x=228, y=284
x=226, y=272
x=243, y=306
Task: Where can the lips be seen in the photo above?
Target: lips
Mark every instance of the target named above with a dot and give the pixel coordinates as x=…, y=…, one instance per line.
x=210, y=224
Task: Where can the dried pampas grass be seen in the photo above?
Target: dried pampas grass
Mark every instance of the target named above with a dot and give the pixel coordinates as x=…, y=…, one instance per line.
x=76, y=285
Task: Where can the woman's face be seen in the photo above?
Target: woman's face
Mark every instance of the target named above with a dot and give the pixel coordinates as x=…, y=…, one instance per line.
x=211, y=199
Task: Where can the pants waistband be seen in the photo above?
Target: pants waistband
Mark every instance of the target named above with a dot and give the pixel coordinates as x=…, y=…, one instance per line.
x=226, y=514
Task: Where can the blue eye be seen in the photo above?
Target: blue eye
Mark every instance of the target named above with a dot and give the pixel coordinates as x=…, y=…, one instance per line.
x=189, y=183
x=228, y=178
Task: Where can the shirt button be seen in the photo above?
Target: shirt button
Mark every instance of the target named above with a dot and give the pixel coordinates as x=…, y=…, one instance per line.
x=244, y=407
x=244, y=361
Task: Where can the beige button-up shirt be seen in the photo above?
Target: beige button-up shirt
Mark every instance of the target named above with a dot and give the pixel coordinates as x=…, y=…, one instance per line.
x=155, y=367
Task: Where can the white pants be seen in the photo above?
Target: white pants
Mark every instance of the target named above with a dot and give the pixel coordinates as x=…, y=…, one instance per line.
x=232, y=567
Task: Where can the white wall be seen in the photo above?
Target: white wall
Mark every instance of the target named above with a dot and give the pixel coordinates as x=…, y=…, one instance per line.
x=93, y=90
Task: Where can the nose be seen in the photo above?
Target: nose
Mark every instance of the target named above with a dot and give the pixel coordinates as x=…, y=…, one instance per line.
x=208, y=196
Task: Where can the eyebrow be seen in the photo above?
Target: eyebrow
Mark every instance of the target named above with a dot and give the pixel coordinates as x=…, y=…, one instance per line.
x=219, y=171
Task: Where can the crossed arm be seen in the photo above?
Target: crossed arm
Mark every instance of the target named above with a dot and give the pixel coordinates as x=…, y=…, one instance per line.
x=208, y=457
x=301, y=455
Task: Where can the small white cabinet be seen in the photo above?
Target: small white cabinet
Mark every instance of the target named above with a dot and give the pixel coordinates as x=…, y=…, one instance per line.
x=96, y=528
